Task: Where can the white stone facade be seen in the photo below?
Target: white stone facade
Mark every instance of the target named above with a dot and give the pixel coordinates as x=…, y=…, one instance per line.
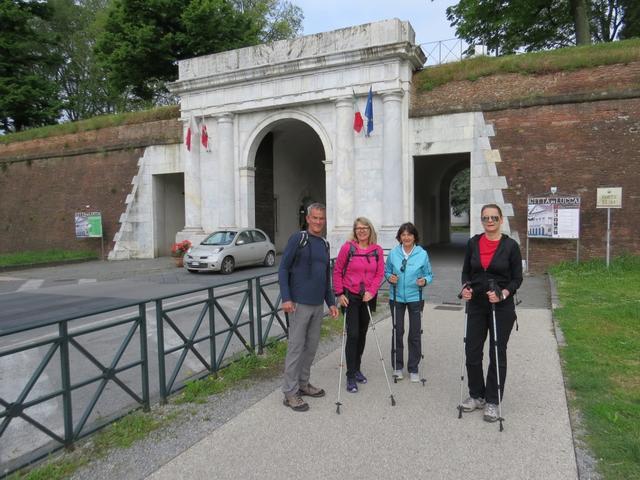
x=243, y=95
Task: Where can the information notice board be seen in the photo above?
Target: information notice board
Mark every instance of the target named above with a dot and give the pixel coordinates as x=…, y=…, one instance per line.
x=553, y=216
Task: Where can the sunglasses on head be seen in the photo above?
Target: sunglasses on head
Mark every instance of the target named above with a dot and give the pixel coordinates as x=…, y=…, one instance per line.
x=404, y=265
x=493, y=218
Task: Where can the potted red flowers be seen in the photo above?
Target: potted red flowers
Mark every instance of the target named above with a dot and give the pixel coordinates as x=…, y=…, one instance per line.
x=178, y=250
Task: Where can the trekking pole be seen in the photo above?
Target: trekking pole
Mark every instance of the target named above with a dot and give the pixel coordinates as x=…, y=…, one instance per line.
x=344, y=324
x=393, y=335
x=464, y=345
x=422, y=379
x=498, y=292
x=384, y=369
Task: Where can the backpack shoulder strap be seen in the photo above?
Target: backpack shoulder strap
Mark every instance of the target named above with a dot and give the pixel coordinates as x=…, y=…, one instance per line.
x=352, y=252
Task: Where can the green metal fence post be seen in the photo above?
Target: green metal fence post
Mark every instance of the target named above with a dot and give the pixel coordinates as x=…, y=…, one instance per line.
x=252, y=327
x=65, y=375
x=161, y=366
x=212, y=330
x=144, y=355
x=259, y=316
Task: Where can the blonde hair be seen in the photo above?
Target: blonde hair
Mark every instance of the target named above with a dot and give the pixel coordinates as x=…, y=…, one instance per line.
x=373, y=236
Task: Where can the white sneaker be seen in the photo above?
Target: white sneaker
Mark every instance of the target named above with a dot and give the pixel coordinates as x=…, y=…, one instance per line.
x=415, y=378
x=398, y=374
x=471, y=404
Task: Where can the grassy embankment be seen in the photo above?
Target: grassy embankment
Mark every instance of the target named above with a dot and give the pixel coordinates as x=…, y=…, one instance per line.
x=600, y=319
x=563, y=59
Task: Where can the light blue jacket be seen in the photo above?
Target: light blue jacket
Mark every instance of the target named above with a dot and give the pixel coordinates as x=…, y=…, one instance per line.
x=417, y=266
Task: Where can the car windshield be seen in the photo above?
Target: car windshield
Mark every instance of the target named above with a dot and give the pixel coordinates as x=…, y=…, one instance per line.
x=219, y=238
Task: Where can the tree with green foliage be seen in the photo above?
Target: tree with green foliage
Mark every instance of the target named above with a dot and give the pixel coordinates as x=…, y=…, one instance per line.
x=509, y=26
x=83, y=88
x=461, y=192
x=631, y=23
x=143, y=39
x=275, y=19
x=29, y=94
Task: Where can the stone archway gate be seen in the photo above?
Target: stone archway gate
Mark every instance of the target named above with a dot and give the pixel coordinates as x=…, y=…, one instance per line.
x=239, y=94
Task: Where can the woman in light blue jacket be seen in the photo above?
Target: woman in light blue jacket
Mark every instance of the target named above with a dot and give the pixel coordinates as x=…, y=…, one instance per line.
x=408, y=270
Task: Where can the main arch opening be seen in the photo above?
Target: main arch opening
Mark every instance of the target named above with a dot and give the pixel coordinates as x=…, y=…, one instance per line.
x=289, y=175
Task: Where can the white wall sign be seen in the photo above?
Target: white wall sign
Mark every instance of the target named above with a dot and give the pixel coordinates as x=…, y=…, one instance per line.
x=610, y=197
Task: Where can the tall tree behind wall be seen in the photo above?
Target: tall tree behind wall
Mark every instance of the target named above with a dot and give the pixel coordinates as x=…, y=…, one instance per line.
x=144, y=39
x=29, y=94
x=83, y=88
x=509, y=26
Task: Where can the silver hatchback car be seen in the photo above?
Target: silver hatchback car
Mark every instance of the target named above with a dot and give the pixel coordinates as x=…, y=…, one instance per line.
x=227, y=249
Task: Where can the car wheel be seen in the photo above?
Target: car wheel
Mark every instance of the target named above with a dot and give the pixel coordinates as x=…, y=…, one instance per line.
x=227, y=265
x=270, y=259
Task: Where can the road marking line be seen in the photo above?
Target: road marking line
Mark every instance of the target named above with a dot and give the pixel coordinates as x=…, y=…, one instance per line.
x=9, y=279
x=87, y=280
x=33, y=284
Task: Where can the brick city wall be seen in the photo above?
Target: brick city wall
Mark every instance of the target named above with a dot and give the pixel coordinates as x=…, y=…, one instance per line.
x=576, y=148
x=44, y=182
x=575, y=130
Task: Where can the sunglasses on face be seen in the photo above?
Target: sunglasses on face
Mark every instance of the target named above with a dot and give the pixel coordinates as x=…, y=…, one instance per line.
x=403, y=266
x=493, y=218
x=361, y=229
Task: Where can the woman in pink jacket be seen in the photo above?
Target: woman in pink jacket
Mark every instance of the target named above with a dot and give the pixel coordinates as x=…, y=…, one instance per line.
x=357, y=275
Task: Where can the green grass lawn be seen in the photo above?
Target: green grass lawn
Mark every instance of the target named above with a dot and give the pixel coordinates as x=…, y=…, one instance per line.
x=47, y=256
x=600, y=318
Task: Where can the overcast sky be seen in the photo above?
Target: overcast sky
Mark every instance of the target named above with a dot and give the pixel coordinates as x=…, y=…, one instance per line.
x=428, y=18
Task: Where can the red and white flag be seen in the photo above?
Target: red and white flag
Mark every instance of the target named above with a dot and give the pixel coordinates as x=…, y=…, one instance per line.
x=358, y=122
x=204, y=137
x=187, y=137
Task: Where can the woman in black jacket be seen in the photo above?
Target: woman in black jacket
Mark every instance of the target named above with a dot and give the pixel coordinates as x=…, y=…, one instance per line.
x=490, y=257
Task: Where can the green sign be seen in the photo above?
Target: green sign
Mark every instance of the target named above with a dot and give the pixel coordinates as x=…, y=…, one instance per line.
x=88, y=225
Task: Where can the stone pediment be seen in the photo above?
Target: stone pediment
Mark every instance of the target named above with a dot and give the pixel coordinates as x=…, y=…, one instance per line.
x=364, y=44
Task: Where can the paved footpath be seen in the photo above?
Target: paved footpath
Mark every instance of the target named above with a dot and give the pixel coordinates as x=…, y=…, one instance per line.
x=421, y=437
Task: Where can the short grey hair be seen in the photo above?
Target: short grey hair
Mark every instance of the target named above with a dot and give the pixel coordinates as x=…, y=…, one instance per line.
x=316, y=206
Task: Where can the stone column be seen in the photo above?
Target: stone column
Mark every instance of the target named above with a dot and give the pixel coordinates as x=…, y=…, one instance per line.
x=227, y=184
x=344, y=166
x=392, y=168
x=192, y=191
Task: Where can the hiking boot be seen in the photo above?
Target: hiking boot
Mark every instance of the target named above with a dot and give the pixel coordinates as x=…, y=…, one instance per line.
x=360, y=378
x=295, y=402
x=414, y=377
x=311, y=391
x=398, y=374
x=490, y=412
x=352, y=386
x=471, y=404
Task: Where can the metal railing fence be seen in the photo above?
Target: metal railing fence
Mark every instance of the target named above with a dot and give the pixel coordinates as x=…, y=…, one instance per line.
x=226, y=313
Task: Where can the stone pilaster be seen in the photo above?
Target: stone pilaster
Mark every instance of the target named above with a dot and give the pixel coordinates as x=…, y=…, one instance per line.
x=344, y=167
x=227, y=190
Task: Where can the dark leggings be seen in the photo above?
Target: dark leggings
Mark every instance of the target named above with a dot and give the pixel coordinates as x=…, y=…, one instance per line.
x=357, y=320
x=479, y=325
x=413, y=338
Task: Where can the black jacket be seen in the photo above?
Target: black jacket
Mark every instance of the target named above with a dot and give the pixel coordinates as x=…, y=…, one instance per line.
x=505, y=267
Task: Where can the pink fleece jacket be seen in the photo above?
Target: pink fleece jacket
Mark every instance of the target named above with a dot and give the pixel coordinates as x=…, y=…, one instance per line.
x=362, y=269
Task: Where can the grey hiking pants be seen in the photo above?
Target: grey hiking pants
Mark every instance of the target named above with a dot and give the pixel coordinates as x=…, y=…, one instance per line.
x=304, y=335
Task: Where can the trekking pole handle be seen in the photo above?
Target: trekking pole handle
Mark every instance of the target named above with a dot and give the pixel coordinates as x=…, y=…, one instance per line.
x=466, y=285
x=496, y=289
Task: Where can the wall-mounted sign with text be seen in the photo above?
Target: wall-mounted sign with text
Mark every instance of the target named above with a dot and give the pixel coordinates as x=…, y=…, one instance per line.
x=609, y=197
x=88, y=225
x=555, y=216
